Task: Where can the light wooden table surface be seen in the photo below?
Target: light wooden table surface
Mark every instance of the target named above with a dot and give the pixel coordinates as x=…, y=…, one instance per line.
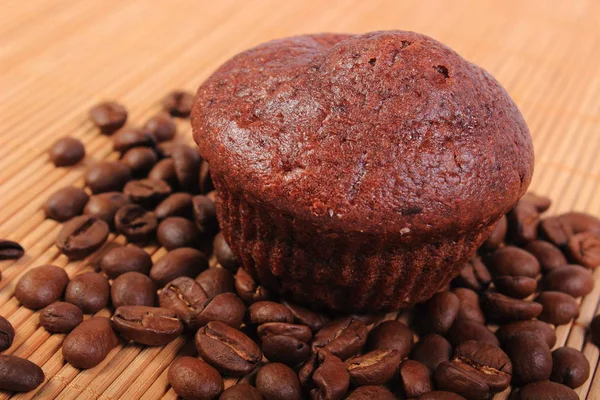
x=59, y=57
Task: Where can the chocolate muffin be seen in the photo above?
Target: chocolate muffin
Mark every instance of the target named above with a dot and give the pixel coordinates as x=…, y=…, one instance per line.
x=359, y=172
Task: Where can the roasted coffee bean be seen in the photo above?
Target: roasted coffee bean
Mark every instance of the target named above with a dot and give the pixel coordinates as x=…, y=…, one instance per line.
x=584, y=249
x=513, y=261
x=178, y=103
x=442, y=310
x=518, y=287
x=66, y=203
x=130, y=137
x=133, y=289
x=184, y=261
x=241, y=391
x=107, y=176
x=89, y=291
x=176, y=205
x=122, y=259
x=81, y=236
x=66, y=151
x=415, y=378
x=269, y=311
x=224, y=255
x=88, y=344
x=304, y=316
x=541, y=203
x=569, y=367
x=546, y=332
x=530, y=356
x=497, y=236
x=374, y=368
x=10, y=250
x=501, y=308
x=469, y=305
x=559, y=229
x=371, y=392
x=474, y=275
x=215, y=281
x=108, y=116
x=297, y=331
x=104, y=206
x=325, y=376
x=140, y=160
x=247, y=288
x=464, y=330
x=285, y=349
x=558, y=308
x=547, y=254
x=205, y=181
x=176, y=232
x=344, y=337
x=192, y=378
x=225, y=307
x=276, y=381
x=165, y=170
x=185, y=297
x=60, y=317
x=227, y=349
x=147, y=192
x=136, y=223
x=571, y=279
x=18, y=374
x=595, y=330
x=187, y=166
x=161, y=127
x=205, y=218
x=393, y=335
x=546, y=390
x=523, y=222
x=432, y=350
x=7, y=334
x=152, y=326
x=41, y=286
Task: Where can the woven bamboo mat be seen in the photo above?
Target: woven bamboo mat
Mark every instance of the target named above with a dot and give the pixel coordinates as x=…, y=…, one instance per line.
x=58, y=57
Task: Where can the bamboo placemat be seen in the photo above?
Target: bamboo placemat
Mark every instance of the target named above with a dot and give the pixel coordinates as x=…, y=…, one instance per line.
x=59, y=57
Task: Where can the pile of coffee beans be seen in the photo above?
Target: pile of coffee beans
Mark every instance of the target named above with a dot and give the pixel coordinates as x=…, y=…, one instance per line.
x=492, y=328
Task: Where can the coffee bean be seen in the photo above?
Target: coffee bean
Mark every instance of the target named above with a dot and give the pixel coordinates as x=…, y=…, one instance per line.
x=187, y=167
x=66, y=151
x=18, y=374
x=165, y=170
x=304, y=316
x=225, y=307
x=497, y=236
x=523, y=222
x=501, y=308
x=140, y=160
x=371, y=392
x=547, y=254
x=227, y=349
x=107, y=176
x=276, y=381
x=569, y=367
x=344, y=337
x=177, y=232
x=135, y=223
x=176, y=205
x=559, y=229
x=108, y=116
x=151, y=326
x=432, y=350
x=133, y=289
x=192, y=378
x=464, y=382
x=241, y=391
x=392, y=335
x=161, y=127
x=10, y=250
x=122, y=259
x=541, y=329
x=60, y=317
x=442, y=310
x=300, y=332
x=530, y=356
x=269, y=311
x=205, y=183
x=247, y=288
x=205, y=218
x=546, y=390
x=285, y=349
x=415, y=378
x=7, y=334
x=225, y=256
x=571, y=279
x=88, y=344
x=541, y=203
x=41, y=286
x=186, y=298
x=89, y=291
x=513, y=261
x=464, y=330
x=66, y=203
x=469, y=305
x=595, y=330
x=215, y=281
x=184, y=261
x=584, y=249
x=178, y=103
x=374, y=368
x=130, y=137
x=81, y=236
x=518, y=287
x=474, y=275
x=147, y=192
x=325, y=376
x=558, y=308
x=104, y=206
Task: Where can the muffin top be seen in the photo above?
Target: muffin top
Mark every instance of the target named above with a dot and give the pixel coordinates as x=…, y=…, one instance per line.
x=385, y=133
